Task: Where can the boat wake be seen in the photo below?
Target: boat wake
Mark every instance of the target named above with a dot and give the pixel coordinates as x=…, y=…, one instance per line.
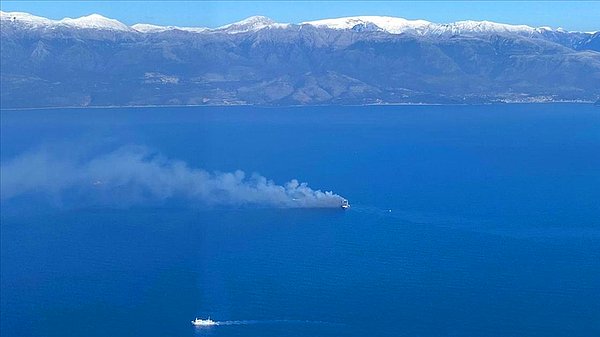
x=272, y=321
x=244, y=322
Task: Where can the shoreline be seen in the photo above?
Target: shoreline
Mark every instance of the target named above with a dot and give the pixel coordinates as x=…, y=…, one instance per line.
x=285, y=106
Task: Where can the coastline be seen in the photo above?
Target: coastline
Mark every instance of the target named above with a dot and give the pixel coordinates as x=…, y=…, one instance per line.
x=152, y=106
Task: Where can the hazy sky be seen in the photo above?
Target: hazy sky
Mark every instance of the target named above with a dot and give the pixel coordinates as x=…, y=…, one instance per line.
x=571, y=15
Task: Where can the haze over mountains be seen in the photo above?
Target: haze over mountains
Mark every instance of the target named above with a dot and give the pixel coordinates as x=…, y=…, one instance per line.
x=97, y=61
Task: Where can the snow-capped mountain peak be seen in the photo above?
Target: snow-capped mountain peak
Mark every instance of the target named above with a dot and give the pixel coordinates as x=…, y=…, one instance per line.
x=94, y=21
x=389, y=24
x=395, y=25
x=487, y=27
x=25, y=19
x=252, y=23
x=148, y=28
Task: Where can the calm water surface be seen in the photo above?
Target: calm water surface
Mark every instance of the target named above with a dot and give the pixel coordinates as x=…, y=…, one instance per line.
x=466, y=221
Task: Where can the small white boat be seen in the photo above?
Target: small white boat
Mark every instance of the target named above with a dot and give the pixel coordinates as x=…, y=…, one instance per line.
x=345, y=204
x=204, y=322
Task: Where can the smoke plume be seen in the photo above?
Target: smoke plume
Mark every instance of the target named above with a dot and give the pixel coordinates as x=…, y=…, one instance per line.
x=137, y=175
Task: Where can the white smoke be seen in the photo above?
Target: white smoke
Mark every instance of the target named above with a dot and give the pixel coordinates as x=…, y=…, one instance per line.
x=136, y=174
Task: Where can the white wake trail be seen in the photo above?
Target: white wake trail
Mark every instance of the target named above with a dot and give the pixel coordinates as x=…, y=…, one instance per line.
x=271, y=321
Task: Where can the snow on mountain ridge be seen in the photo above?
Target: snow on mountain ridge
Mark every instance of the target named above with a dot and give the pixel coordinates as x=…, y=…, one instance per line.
x=97, y=21
x=392, y=25
x=93, y=21
x=488, y=27
x=395, y=25
x=149, y=28
x=252, y=23
x=389, y=24
x=27, y=19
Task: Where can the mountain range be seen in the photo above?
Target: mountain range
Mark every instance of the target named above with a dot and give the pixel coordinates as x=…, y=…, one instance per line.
x=97, y=61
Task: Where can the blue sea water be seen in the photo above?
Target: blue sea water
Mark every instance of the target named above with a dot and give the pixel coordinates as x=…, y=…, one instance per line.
x=465, y=221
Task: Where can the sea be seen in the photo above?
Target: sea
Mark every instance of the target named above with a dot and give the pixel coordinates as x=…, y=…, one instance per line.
x=466, y=221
